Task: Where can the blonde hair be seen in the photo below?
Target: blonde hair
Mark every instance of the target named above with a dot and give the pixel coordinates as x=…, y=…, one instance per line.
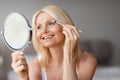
x=61, y=16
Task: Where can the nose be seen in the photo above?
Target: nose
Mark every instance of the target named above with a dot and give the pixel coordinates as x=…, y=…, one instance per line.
x=44, y=29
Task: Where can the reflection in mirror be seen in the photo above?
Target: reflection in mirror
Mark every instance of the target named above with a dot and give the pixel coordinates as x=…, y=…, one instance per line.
x=17, y=32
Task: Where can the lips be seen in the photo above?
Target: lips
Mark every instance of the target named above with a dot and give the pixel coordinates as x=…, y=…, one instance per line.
x=47, y=37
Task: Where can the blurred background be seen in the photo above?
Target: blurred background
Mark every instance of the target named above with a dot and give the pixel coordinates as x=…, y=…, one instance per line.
x=99, y=21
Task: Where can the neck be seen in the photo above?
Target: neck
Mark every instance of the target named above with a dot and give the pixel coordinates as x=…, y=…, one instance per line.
x=56, y=55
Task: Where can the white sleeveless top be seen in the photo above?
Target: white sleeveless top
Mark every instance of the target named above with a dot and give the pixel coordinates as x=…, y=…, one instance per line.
x=44, y=75
x=43, y=72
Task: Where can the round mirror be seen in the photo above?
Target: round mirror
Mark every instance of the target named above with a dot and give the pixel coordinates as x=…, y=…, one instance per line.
x=17, y=32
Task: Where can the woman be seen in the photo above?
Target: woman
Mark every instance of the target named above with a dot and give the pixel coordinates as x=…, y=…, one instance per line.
x=55, y=39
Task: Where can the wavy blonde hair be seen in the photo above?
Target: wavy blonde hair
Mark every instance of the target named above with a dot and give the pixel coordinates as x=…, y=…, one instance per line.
x=59, y=15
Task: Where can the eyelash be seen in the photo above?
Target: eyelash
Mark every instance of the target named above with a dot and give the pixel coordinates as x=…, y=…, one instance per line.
x=49, y=24
x=52, y=22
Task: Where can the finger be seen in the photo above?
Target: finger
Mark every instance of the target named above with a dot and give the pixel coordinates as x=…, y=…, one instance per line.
x=64, y=25
x=71, y=31
x=75, y=30
x=17, y=56
x=20, y=68
x=14, y=54
x=66, y=33
x=21, y=62
x=72, y=38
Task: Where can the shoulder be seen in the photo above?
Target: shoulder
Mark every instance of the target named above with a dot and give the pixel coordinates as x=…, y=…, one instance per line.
x=87, y=58
x=86, y=66
x=34, y=69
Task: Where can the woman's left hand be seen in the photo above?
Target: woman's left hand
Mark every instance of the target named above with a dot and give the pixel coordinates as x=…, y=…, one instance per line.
x=71, y=38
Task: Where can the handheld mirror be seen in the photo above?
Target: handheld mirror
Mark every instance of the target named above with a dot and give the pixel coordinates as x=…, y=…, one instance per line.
x=17, y=32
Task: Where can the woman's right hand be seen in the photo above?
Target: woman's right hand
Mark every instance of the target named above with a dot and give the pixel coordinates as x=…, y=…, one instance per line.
x=19, y=65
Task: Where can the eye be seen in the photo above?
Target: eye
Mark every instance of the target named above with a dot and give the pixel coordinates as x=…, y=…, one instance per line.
x=38, y=27
x=52, y=22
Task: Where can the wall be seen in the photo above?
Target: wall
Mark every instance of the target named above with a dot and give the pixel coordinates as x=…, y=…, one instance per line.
x=98, y=19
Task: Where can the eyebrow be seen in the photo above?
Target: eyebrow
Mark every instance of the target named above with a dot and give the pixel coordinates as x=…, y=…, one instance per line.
x=47, y=21
x=37, y=24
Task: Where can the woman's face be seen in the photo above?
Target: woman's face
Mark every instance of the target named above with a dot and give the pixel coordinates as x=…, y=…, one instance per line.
x=49, y=33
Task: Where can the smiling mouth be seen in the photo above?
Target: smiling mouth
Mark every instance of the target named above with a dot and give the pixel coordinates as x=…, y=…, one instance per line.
x=47, y=37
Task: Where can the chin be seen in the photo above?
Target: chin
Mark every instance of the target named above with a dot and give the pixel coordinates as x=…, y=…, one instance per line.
x=48, y=45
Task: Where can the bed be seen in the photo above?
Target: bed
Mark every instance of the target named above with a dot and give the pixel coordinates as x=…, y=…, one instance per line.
x=102, y=73
x=107, y=73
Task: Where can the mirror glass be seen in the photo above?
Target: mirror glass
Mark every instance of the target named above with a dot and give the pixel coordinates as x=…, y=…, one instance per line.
x=17, y=31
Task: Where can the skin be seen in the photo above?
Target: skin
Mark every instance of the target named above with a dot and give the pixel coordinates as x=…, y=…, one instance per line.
x=60, y=39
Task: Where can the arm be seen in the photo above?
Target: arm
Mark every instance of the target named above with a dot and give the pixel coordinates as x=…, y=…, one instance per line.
x=71, y=39
x=20, y=65
x=69, y=69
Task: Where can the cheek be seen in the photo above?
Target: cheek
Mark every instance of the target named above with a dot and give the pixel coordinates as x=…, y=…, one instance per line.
x=60, y=35
x=57, y=29
x=58, y=32
x=37, y=35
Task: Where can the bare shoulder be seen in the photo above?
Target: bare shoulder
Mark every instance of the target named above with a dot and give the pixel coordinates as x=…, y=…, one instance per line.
x=34, y=70
x=88, y=58
x=86, y=66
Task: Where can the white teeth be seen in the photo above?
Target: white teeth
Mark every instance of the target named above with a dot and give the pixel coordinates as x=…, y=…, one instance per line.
x=47, y=37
